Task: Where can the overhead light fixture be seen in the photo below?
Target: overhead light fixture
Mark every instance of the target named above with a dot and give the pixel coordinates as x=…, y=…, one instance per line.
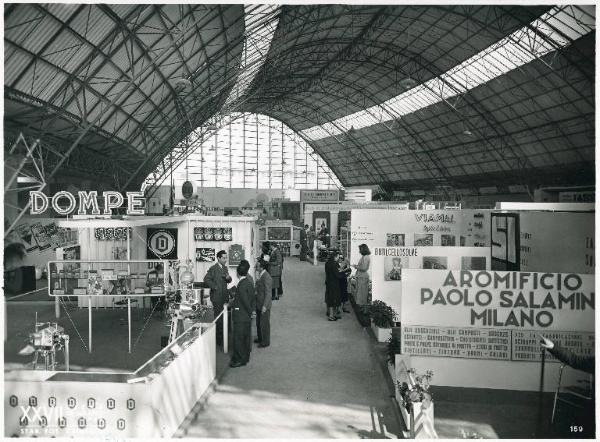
x=182, y=84
x=467, y=132
x=407, y=83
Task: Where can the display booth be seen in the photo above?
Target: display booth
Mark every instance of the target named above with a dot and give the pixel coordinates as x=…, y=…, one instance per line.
x=336, y=214
x=150, y=402
x=404, y=239
x=189, y=237
x=474, y=289
x=284, y=233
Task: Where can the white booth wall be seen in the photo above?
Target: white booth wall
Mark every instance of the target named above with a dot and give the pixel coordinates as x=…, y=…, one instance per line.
x=244, y=233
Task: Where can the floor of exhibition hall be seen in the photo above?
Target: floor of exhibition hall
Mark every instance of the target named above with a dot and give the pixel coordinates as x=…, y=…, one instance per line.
x=318, y=379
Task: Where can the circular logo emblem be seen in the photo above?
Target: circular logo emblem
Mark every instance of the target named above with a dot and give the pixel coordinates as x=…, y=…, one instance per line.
x=161, y=243
x=187, y=190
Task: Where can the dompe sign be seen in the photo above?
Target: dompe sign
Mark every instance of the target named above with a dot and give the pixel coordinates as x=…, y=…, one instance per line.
x=84, y=201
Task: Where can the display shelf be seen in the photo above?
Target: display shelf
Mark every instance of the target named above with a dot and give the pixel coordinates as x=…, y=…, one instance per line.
x=107, y=278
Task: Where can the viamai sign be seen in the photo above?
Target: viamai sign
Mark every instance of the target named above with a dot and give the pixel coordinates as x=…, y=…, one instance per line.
x=65, y=203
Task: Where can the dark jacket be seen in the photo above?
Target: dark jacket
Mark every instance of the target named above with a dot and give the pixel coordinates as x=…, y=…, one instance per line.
x=584, y=363
x=216, y=280
x=275, y=263
x=264, y=286
x=244, y=303
x=332, y=283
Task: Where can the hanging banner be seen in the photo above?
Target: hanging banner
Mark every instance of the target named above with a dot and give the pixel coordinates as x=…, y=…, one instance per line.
x=161, y=243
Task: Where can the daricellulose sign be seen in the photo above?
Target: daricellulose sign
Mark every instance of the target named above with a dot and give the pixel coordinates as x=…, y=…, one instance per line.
x=517, y=300
x=84, y=201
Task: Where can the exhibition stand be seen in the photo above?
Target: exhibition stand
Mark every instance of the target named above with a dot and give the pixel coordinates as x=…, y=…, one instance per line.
x=149, y=403
x=474, y=289
x=284, y=234
x=336, y=214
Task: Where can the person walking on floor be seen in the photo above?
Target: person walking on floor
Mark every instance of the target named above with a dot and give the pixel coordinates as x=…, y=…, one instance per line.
x=217, y=279
x=303, y=243
x=332, y=286
x=345, y=270
x=275, y=262
x=264, y=285
x=362, y=276
x=242, y=308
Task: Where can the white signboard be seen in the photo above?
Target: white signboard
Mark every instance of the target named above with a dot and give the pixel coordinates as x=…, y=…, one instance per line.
x=514, y=300
x=557, y=242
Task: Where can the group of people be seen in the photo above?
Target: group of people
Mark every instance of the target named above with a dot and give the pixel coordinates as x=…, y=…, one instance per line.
x=247, y=299
x=337, y=270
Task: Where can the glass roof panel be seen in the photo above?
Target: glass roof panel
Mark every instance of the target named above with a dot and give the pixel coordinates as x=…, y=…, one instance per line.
x=558, y=27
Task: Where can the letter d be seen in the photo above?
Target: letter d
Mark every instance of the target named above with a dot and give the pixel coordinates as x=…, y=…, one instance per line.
x=34, y=198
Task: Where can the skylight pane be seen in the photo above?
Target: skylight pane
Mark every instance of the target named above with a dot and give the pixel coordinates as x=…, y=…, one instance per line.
x=513, y=51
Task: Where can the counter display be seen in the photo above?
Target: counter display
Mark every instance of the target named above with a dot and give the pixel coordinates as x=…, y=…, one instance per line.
x=151, y=402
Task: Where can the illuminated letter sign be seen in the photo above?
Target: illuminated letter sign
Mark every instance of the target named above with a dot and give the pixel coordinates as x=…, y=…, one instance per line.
x=39, y=202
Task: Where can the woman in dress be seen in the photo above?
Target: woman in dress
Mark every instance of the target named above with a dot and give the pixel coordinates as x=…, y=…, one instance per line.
x=332, y=286
x=362, y=275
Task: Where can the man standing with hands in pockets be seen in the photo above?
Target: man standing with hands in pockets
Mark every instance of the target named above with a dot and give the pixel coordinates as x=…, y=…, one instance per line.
x=217, y=279
x=264, y=286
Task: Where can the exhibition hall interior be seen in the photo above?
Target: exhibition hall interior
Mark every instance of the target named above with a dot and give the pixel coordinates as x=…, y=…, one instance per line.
x=316, y=221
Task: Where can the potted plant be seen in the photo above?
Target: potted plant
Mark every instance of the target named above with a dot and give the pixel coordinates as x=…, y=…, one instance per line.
x=417, y=400
x=382, y=317
x=393, y=348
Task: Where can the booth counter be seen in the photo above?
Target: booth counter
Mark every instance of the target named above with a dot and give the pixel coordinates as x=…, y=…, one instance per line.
x=151, y=402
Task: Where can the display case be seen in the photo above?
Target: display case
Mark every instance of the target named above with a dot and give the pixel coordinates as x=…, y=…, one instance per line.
x=115, y=279
x=284, y=234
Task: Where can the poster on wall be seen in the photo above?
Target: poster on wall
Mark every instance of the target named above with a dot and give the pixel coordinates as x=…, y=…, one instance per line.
x=208, y=234
x=227, y=233
x=26, y=237
x=236, y=254
x=393, y=266
x=217, y=234
x=41, y=238
x=198, y=233
x=395, y=240
x=320, y=223
x=423, y=240
x=161, y=243
x=435, y=262
x=204, y=254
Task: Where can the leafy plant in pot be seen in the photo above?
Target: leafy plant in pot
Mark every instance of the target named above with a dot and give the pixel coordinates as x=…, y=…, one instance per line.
x=382, y=314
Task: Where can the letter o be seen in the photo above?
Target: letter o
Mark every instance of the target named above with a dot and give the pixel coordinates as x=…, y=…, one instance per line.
x=538, y=319
x=449, y=296
x=479, y=301
x=69, y=208
x=569, y=277
x=478, y=279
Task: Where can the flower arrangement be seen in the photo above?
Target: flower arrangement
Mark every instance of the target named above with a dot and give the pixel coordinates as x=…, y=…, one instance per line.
x=382, y=314
x=419, y=391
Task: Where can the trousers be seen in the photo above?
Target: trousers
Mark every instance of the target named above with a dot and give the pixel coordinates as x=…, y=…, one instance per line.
x=242, y=342
x=263, y=327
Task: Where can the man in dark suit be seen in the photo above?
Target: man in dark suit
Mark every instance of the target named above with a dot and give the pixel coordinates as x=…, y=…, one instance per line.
x=275, y=267
x=217, y=279
x=242, y=308
x=264, y=286
x=303, y=243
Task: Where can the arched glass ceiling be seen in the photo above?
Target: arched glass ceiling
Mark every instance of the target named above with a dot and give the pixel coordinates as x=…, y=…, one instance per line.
x=559, y=28
x=255, y=151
